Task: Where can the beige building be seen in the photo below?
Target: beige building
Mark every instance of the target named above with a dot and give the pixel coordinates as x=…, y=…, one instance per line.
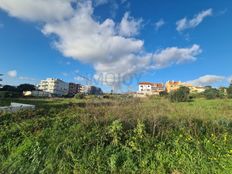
x=173, y=86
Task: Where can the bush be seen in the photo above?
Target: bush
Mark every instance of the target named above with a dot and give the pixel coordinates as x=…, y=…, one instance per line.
x=163, y=94
x=229, y=91
x=181, y=95
x=211, y=93
x=80, y=96
x=9, y=94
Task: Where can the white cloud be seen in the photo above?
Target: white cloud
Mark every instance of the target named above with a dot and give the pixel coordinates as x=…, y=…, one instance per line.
x=39, y=10
x=184, y=23
x=175, y=55
x=159, y=24
x=101, y=2
x=109, y=46
x=129, y=26
x=12, y=73
x=90, y=41
x=207, y=80
x=229, y=79
x=65, y=74
x=24, y=78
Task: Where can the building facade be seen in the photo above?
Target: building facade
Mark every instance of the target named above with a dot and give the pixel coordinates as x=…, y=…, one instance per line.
x=36, y=93
x=73, y=89
x=53, y=86
x=87, y=89
x=173, y=86
x=148, y=88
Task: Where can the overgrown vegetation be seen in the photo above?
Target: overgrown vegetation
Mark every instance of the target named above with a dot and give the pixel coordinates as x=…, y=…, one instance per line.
x=8, y=91
x=123, y=135
x=180, y=95
x=212, y=93
x=80, y=96
x=229, y=91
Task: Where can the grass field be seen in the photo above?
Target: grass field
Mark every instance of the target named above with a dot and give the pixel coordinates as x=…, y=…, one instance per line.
x=122, y=135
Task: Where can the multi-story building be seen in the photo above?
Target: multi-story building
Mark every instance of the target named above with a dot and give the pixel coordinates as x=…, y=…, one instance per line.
x=148, y=88
x=87, y=89
x=73, y=89
x=173, y=86
x=56, y=87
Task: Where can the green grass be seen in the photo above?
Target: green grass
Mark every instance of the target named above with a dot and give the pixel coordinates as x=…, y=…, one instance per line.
x=117, y=136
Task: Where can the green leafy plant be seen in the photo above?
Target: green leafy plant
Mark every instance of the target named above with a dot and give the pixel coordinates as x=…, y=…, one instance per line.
x=79, y=96
x=212, y=93
x=180, y=95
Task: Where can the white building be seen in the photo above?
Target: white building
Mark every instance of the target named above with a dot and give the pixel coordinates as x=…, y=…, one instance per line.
x=147, y=88
x=54, y=86
x=36, y=94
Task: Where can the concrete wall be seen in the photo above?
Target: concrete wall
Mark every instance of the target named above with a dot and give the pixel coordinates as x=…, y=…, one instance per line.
x=14, y=107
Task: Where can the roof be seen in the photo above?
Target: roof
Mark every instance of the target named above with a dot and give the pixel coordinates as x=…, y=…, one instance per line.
x=174, y=83
x=146, y=83
x=152, y=84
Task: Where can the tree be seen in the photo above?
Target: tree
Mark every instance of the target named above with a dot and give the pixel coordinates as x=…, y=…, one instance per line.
x=163, y=93
x=180, y=95
x=208, y=87
x=9, y=88
x=25, y=87
x=1, y=80
x=212, y=93
x=229, y=91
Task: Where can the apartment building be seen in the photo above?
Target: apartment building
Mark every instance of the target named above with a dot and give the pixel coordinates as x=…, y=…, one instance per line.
x=73, y=89
x=54, y=86
x=87, y=89
x=148, y=88
x=172, y=86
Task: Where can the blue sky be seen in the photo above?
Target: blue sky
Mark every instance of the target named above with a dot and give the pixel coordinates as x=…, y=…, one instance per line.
x=109, y=41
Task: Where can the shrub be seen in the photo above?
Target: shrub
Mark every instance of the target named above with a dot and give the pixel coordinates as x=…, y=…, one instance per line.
x=106, y=96
x=80, y=96
x=181, y=95
x=211, y=93
x=229, y=91
x=9, y=94
x=163, y=94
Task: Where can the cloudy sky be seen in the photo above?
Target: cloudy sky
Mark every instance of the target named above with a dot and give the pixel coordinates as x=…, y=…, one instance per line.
x=116, y=43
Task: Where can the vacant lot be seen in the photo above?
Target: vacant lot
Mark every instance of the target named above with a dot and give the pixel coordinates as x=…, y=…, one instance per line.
x=118, y=135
